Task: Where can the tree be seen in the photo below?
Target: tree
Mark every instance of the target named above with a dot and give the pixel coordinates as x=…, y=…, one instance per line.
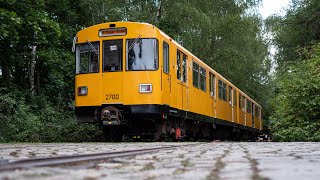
x=32, y=27
x=299, y=28
x=297, y=103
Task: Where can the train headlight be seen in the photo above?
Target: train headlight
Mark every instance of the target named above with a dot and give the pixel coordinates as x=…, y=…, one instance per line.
x=82, y=90
x=145, y=88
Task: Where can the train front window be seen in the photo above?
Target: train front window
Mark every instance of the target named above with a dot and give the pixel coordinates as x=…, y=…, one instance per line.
x=142, y=54
x=87, y=57
x=112, y=55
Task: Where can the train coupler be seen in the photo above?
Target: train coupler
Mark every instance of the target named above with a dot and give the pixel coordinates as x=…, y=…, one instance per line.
x=111, y=116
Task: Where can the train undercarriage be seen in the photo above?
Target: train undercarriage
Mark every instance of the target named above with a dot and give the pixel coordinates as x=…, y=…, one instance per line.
x=161, y=123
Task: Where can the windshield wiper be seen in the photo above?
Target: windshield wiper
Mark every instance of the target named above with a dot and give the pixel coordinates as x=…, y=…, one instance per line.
x=74, y=43
x=134, y=43
x=92, y=47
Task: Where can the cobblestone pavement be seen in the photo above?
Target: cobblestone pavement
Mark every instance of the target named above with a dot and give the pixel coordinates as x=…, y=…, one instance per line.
x=216, y=160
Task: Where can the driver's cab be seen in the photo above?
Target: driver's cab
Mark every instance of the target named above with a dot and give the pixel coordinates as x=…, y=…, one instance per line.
x=117, y=63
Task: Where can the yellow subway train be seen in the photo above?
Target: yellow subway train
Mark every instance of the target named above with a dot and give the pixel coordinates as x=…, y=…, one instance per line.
x=138, y=82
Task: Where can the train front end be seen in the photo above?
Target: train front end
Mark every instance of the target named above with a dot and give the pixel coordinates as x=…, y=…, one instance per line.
x=117, y=73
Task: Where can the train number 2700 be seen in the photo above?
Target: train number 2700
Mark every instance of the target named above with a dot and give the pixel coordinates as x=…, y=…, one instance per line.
x=112, y=96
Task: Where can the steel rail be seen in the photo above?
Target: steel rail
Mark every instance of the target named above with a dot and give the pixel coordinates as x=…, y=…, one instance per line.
x=50, y=161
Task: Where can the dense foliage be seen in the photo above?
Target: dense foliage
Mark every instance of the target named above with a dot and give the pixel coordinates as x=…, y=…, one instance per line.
x=36, y=119
x=296, y=103
x=37, y=82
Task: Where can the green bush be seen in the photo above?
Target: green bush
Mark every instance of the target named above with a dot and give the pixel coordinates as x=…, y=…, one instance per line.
x=297, y=104
x=38, y=120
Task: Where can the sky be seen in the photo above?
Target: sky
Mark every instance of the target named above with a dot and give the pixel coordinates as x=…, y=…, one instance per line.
x=270, y=7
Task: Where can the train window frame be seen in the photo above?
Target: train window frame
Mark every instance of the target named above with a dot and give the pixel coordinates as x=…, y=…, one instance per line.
x=212, y=84
x=195, y=71
x=90, y=50
x=203, y=79
x=156, y=50
x=166, y=57
x=178, y=64
x=104, y=66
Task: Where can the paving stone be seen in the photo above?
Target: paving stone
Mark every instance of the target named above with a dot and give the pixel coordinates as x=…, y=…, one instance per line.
x=216, y=160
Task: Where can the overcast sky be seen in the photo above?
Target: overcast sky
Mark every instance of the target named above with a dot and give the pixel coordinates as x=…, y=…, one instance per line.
x=270, y=7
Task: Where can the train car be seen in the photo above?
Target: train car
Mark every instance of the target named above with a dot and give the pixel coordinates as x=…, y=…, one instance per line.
x=138, y=82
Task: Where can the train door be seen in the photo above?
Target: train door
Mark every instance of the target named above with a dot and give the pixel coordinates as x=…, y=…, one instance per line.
x=212, y=81
x=112, y=76
x=176, y=85
x=165, y=75
x=184, y=80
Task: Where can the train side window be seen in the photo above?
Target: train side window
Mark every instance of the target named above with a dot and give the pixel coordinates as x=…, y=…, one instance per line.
x=212, y=84
x=112, y=55
x=260, y=113
x=253, y=109
x=195, y=74
x=256, y=109
x=178, y=65
x=224, y=86
x=184, y=68
x=222, y=90
x=202, y=79
x=248, y=106
x=166, y=58
x=240, y=101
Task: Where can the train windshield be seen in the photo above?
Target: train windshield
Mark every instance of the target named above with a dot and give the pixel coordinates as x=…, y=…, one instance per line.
x=87, y=57
x=112, y=55
x=142, y=54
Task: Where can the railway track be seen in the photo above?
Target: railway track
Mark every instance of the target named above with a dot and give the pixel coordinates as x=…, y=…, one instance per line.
x=51, y=161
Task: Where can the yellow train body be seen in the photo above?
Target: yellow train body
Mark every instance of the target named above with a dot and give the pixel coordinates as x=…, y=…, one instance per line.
x=182, y=86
